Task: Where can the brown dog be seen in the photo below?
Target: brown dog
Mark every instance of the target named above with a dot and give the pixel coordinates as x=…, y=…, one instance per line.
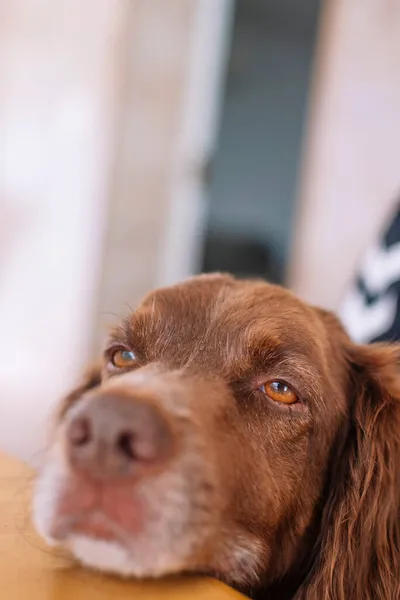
x=233, y=430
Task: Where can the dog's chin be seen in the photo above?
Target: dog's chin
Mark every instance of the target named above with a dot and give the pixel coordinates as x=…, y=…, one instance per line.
x=113, y=557
x=102, y=555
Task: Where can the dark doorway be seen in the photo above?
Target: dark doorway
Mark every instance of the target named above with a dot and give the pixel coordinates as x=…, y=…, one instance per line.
x=254, y=175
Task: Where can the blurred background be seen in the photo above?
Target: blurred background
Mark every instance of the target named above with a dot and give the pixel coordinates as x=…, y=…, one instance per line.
x=142, y=141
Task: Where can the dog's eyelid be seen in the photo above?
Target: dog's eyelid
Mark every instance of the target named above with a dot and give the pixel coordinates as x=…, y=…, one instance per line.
x=113, y=346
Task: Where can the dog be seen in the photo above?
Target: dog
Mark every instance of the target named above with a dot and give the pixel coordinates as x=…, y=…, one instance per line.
x=232, y=430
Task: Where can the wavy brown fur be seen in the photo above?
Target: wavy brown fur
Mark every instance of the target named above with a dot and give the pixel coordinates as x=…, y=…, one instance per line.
x=359, y=556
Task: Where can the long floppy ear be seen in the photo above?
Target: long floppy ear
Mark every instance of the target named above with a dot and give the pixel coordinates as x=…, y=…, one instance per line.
x=91, y=378
x=359, y=548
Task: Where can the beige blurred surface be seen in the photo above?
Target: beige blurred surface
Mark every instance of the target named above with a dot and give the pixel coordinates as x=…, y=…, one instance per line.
x=28, y=569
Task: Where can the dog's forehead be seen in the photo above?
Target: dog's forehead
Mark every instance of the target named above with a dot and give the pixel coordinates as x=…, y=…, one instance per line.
x=228, y=327
x=218, y=304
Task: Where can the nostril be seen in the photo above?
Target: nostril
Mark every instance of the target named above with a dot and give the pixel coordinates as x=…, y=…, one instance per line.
x=79, y=432
x=126, y=445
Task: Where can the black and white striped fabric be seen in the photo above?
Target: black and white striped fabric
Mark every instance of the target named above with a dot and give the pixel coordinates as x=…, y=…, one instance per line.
x=371, y=308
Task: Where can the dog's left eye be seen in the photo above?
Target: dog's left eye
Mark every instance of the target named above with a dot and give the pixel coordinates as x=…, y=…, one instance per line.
x=123, y=358
x=279, y=392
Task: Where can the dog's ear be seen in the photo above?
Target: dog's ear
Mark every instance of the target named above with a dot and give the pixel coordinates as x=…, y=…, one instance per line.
x=358, y=554
x=91, y=378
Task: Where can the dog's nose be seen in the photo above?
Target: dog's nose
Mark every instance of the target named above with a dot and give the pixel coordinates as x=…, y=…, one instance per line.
x=114, y=437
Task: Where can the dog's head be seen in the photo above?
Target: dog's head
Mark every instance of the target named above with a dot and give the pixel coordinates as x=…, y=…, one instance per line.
x=231, y=429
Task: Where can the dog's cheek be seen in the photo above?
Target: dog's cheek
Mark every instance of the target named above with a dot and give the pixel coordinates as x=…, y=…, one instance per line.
x=240, y=560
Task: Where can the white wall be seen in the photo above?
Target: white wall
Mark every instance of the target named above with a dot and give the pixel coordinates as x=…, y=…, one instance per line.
x=167, y=125
x=99, y=130
x=57, y=69
x=351, y=168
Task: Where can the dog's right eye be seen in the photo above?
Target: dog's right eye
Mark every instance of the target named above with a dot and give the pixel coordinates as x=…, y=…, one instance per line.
x=123, y=358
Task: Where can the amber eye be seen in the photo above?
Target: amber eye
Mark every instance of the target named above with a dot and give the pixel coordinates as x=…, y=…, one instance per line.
x=123, y=358
x=279, y=392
